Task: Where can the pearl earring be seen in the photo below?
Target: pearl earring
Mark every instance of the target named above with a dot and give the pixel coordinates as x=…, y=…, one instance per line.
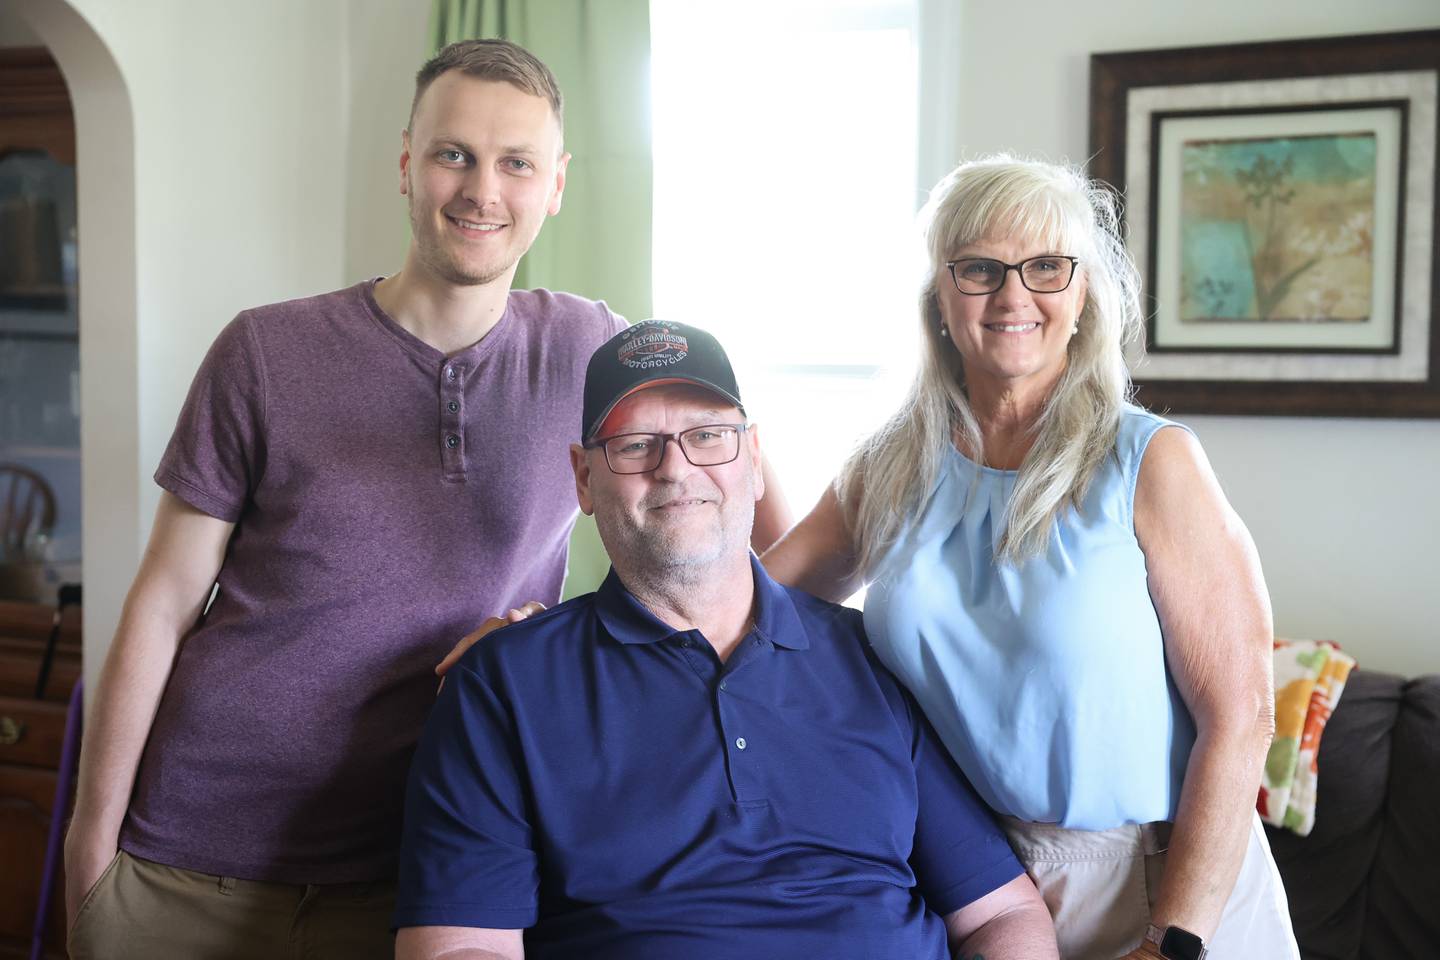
x=943, y=332
x=1075, y=329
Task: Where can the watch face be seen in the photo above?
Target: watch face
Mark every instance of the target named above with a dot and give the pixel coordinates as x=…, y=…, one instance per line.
x=1180, y=944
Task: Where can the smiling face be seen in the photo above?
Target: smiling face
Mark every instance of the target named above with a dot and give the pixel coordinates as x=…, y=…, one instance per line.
x=680, y=521
x=481, y=170
x=1012, y=339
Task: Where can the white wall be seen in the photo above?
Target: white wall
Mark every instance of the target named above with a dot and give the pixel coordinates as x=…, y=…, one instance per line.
x=240, y=172
x=386, y=44
x=1345, y=512
x=15, y=32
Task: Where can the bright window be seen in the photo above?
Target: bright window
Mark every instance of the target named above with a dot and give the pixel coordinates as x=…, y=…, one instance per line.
x=785, y=198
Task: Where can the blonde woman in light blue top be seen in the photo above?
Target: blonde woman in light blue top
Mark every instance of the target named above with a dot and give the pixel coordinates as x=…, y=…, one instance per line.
x=1058, y=578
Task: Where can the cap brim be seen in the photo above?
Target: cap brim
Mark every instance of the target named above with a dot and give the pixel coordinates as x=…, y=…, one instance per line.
x=660, y=381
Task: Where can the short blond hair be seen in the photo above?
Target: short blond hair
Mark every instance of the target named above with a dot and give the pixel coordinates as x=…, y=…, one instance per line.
x=498, y=60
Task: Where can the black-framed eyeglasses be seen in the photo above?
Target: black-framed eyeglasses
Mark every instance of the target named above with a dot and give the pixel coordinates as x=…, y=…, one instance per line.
x=976, y=276
x=705, y=446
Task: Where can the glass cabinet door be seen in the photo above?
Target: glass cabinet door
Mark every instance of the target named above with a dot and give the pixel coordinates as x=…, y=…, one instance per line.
x=39, y=326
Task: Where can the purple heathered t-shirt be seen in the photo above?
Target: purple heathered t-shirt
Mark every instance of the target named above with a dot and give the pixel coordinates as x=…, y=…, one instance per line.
x=386, y=500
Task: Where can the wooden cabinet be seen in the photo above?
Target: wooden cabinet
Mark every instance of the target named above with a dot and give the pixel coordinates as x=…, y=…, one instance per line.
x=31, y=735
x=35, y=104
x=24, y=628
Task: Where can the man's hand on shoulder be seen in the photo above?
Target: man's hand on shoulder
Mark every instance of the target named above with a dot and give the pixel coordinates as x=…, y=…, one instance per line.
x=514, y=615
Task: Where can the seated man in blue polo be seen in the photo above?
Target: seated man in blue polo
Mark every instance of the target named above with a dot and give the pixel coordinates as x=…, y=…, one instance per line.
x=694, y=761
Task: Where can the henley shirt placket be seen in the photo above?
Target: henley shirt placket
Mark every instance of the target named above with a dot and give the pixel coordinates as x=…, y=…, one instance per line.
x=452, y=423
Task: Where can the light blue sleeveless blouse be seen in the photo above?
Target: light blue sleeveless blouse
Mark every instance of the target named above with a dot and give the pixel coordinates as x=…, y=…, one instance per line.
x=1047, y=682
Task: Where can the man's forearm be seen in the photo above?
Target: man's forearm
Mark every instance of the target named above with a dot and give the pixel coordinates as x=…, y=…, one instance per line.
x=458, y=943
x=123, y=707
x=1022, y=933
x=176, y=575
x=122, y=711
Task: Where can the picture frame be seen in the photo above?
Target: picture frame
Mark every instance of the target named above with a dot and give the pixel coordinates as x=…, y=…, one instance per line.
x=1280, y=201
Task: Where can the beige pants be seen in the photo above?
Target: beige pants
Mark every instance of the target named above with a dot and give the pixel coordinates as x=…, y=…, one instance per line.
x=1100, y=886
x=141, y=910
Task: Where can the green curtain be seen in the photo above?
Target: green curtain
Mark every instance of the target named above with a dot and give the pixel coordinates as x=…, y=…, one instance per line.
x=599, y=245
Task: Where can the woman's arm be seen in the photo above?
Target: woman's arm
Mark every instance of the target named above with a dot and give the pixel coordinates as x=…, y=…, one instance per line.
x=1205, y=580
x=818, y=554
x=772, y=512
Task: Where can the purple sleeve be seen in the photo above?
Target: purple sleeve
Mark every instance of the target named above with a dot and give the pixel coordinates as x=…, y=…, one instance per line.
x=466, y=855
x=216, y=454
x=960, y=854
x=617, y=322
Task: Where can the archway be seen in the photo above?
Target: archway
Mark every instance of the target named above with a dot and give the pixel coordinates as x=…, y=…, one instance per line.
x=109, y=362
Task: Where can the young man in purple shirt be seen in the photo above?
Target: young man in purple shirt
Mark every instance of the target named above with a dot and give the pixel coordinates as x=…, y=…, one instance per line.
x=694, y=761
x=366, y=475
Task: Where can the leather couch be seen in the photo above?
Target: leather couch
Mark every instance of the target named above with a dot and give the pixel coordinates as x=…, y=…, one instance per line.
x=1365, y=884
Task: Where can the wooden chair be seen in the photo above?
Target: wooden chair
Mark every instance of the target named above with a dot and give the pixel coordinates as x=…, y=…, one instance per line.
x=27, y=509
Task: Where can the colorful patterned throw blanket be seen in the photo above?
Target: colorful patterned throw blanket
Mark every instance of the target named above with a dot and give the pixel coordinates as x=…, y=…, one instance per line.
x=1309, y=677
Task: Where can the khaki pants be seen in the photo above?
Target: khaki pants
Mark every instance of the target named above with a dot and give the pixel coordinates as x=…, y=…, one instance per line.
x=1100, y=886
x=141, y=910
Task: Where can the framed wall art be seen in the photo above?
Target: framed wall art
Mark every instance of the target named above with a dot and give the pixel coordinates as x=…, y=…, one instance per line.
x=1280, y=200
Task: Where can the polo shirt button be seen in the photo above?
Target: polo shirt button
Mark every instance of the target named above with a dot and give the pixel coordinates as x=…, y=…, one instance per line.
x=452, y=441
x=452, y=406
x=722, y=684
x=450, y=373
x=739, y=743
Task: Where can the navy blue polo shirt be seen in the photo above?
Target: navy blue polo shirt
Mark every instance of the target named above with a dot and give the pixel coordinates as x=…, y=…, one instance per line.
x=604, y=782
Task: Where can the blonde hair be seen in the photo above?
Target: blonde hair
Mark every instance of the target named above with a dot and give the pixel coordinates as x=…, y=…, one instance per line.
x=490, y=59
x=886, y=483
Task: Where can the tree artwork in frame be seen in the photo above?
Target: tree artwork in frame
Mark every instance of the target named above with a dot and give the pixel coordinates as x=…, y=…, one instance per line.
x=1273, y=226
x=1280, y=202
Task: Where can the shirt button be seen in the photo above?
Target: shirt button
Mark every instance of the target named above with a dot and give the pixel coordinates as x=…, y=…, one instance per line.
x=452, y=441
x=722, y=684
x=739, y=743
x=450, y=374
x=452, y=406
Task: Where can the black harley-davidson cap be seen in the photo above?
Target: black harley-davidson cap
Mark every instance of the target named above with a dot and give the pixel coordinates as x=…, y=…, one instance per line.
x=649, y=354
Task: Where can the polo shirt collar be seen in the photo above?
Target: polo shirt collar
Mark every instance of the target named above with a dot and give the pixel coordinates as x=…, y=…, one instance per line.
x=629, y=621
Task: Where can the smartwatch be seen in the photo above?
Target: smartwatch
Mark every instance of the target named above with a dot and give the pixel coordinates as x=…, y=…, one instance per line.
x=1176, y=943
